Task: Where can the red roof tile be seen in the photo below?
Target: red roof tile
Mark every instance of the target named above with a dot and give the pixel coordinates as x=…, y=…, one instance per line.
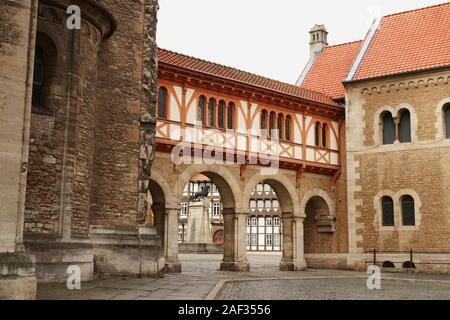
x=214, y=69
x=330, y=68
x=408, y=42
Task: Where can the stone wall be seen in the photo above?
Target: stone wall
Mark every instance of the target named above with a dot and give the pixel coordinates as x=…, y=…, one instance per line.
x=419, y=168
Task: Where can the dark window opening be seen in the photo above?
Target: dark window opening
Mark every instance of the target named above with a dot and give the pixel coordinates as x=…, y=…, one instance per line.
x=211, y=112
x=404, y=129
x=387, y=205
x=280, y=126
x=221, y=115
x=38, y=80
x=388, y=129
x=408, y=214
x=201, y=110
x=264, y=121
x=447, y=120
x=388, y=265
x=288, y=128
x=271, y=123
x=230, y=116
x=162, y=103
x=324, y=136
x=317, y=134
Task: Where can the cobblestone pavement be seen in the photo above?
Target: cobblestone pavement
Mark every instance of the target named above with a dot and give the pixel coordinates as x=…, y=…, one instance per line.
x=201, y=275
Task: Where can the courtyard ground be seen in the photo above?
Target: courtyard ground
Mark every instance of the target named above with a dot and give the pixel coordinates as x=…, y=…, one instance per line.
x=201, y=280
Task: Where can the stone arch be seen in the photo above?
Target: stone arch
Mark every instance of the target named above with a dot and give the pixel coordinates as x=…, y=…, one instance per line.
x=161, y=188
x=317, y=193
x=283, y=187
x=228, y=186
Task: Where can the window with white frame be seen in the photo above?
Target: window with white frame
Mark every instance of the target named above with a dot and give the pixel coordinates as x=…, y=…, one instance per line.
x=277, y=222
x=184, y=209
x=216, y=209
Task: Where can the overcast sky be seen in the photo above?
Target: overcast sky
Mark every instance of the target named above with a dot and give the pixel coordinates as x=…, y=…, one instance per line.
x=266, y=37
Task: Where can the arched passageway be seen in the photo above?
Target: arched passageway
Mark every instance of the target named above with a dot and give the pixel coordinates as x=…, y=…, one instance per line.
x=292, y=220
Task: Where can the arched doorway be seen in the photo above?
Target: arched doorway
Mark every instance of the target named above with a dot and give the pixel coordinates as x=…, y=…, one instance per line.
x=320, y=225
x=219, y=237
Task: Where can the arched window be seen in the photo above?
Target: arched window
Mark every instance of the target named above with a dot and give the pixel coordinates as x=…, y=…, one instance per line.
x=324, y=135
x=201, y=110
x=287, y=128
x=38, y=80
x=404, y=128
x=264, y=122
x=211, y=112
x=271, y=123
x=162, y=103
x=317, y=134
x=387, y=207
x=221, y=115
x=408, y=213
x=280, y=123
x=230, y=116
x=447, y=120
x=388, y=128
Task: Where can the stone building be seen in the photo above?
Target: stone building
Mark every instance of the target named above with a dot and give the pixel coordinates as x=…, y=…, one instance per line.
x=76, y=141
x=395, y=86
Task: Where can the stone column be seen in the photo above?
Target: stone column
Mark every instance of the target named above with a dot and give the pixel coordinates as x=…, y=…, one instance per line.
x=18, y=19
x=293, y=244
x=173, y=264
x=235, y=250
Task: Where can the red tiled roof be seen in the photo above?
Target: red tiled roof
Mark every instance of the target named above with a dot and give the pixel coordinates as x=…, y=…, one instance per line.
x=407, y=42
x=330, y=68
x=214, y=69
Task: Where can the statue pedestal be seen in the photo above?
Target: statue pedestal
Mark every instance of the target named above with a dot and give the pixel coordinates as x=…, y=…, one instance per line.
x=199, y=226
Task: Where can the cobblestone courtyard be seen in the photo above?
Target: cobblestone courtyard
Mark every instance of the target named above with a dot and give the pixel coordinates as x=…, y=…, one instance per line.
x=202, y=280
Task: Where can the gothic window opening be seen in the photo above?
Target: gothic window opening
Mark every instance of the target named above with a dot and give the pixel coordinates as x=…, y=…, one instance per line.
x=271, y=123
x=162, y=103
x=388, y=129
x=387, y=207
x=408, y=213
x=38, y=80
x=404, y=128
x=264, y=122
x=324, y=136
x=288, y=128
x=230, y=116
x=201, y=110
x=317, y=134
x=447, y=120
x=280, y=123
x=221, y=115
x=211, y=112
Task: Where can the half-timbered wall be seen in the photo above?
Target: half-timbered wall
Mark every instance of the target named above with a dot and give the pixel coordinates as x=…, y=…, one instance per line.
x=181, y=124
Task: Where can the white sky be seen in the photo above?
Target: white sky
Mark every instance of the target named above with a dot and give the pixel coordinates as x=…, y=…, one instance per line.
x=266, y=37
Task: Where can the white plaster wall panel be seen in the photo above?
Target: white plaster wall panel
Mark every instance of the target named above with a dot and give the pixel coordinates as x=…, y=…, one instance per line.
x=255, y=129
x=298, y=129
x=231, y=141
x=175, y=132
x=310, y=139
x=241, y=117
x=310, y=154
x=191, y=116
x=254, y=145
x=298, y=153
x=334, y=137
x=174, y=108
x=334, y=159
x=242, y=143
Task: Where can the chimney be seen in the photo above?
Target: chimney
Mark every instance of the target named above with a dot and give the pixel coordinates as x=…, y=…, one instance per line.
x=318, y=40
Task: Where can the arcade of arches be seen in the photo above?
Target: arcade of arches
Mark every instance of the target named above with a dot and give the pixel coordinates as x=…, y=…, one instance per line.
x=308, y=211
